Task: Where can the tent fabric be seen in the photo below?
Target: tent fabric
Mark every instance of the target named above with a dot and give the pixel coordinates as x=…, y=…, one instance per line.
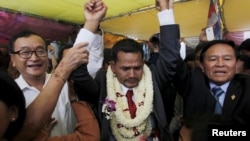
x=131, y=18
x=11, y=23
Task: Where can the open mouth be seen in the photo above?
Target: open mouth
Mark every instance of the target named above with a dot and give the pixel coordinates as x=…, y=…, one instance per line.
x=220, y=72
x=34, y=66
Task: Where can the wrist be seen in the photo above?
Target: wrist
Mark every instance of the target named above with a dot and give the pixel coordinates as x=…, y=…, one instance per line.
x=91, y=25
x=59, y=77
x=61, y=74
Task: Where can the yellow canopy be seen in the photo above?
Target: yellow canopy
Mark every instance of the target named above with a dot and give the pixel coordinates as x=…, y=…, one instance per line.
x=136, y=18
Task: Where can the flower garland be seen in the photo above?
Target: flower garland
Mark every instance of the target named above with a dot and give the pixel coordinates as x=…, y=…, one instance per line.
x=123, y=127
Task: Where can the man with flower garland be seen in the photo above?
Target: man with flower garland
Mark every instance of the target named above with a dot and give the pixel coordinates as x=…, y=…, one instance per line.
x=127, y=71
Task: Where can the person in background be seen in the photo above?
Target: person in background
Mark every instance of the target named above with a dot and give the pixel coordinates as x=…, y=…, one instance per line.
x=243, y=65
x=12, y=108
x=4, y=58
x=52, y=90
x=12, y=71
x=197, y=53
x=190, y=60
x=244, y=47
x=153, y=44
x=53, y=61
x=107, y=58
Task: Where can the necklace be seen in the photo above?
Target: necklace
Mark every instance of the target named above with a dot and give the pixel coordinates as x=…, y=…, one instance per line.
x=123, y=127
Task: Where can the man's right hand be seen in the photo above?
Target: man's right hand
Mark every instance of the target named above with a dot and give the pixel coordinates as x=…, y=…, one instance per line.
x=94, y=12
x=75, y=57
x=164, y=4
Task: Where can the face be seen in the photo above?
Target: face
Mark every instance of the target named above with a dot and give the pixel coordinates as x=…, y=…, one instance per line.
x=219, y=63
x=128, y=68
x=35, y=66
x=6, y=116
x=185, y=134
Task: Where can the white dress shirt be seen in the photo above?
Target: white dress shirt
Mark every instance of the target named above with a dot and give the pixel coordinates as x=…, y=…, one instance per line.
x=95, y=47
x=63, y=112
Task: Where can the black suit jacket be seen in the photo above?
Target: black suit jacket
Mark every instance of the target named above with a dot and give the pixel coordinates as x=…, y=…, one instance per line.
x=193, y=86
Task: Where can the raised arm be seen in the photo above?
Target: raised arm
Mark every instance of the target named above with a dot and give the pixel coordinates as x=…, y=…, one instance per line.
x=171, y=62
x=84, y=84
x=169, y=43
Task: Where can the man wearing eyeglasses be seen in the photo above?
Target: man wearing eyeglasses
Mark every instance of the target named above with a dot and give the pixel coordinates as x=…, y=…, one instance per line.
x=29, y=55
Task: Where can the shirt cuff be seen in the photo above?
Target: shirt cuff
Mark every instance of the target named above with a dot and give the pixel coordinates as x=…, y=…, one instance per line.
x=85, y=36
x=166, y=17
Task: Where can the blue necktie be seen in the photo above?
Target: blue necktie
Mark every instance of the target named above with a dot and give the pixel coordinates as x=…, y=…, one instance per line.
x=217, y=93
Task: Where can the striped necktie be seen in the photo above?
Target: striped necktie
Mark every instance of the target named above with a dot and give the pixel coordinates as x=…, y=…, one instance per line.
x=217, y=91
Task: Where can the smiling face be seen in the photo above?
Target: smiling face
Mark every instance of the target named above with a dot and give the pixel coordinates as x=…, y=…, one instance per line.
x=219, y=63
x=34, y=66
x=128, y=68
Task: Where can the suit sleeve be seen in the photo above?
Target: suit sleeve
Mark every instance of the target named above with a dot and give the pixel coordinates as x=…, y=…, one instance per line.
x=171, y=61
x=169, y=49
x=85, y=86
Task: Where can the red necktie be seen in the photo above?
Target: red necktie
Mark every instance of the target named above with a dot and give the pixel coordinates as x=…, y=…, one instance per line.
x=131, y=104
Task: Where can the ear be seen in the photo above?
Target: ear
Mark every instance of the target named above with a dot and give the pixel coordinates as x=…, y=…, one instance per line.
x=12, y=61
x=201, y=66
x=112, y=66
x=13, y=113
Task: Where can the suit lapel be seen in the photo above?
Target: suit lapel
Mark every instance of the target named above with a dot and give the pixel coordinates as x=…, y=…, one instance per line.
x=210, y=102
x=233, y=94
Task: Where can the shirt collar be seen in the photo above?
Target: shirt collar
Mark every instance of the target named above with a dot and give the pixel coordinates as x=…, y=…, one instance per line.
x=124, y=89
x=223, y=86
x=23, y=84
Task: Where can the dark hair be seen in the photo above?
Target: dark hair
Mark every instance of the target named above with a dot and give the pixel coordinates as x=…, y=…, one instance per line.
x=60, y=54
x=24, y=33
x=126, y=45
x=214, y=42
x=245, y=45
x=190, y=57
x=200, y=46
x=155, y=39
x=246, y=61
x=199, y=124
x=12, y=95
x=107, y=55
x=47, y=42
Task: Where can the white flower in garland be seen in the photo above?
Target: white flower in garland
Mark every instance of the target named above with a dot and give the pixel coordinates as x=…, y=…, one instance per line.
x=123, y=127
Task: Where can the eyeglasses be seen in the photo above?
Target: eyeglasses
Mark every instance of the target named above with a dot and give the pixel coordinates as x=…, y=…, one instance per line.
x=26, y=54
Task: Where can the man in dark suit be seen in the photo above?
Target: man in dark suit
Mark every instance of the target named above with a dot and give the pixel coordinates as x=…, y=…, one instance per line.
x=142, y=115
x=217, y=69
